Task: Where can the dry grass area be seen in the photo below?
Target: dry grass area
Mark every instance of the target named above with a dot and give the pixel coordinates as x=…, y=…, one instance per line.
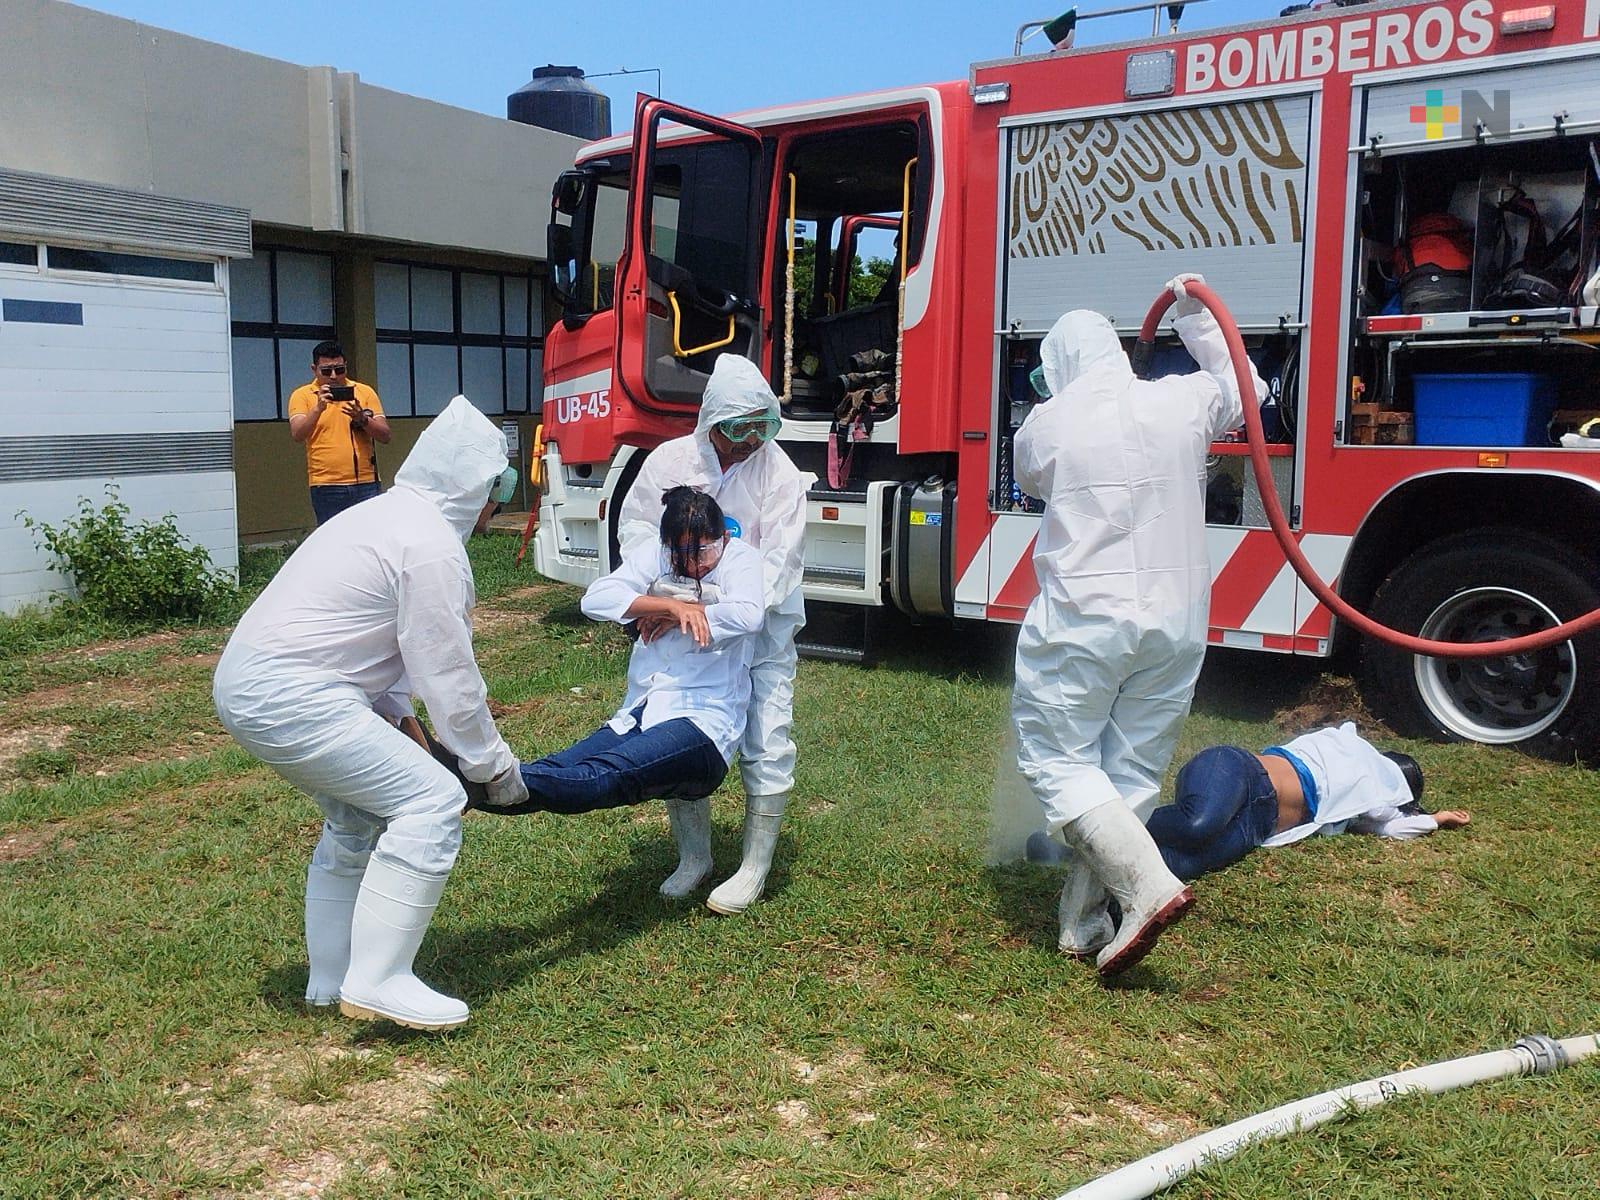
x=292, y=1121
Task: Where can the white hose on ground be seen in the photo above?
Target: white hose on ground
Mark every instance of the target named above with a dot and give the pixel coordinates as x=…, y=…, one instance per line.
x=1535, y=1055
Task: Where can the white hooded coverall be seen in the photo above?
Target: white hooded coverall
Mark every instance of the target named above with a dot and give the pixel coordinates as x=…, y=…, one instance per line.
x=1111, y=646
x=766, y=496
x=372, y=608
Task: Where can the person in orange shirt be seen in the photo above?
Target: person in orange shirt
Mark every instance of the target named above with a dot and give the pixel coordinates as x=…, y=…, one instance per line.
x=338, y=431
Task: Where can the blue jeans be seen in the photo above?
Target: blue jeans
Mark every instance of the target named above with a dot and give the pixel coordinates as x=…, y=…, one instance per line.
x=330, y=499
x=669, y=761
x=1226, y=806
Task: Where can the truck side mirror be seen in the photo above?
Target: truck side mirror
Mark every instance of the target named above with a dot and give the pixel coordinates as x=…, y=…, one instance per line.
x=569, y=192
x=564, y=281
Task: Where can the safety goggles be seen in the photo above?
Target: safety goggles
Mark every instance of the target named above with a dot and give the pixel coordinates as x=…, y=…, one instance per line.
x=739, y=429
x=707, y=554
x=1037, y=381
x=330, y=371
x=504, y=488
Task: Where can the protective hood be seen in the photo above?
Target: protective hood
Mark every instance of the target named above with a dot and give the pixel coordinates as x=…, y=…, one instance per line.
x=455, y=462
x=736, y=388
x=1082, y=343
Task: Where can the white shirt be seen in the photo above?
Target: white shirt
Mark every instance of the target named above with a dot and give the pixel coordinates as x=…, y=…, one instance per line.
x=672, y=676
x=1358, y=789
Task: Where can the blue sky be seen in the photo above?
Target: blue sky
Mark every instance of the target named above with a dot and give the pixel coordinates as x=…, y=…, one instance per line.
x=714, y=55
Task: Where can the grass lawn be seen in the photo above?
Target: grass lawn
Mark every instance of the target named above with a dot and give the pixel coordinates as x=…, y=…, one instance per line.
x=893, y=1020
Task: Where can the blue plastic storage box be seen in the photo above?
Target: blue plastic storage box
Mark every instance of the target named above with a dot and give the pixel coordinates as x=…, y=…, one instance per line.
x=1502, y=408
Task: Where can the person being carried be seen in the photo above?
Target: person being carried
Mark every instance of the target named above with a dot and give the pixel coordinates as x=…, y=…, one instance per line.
x=1229, y=801
x=698, y=599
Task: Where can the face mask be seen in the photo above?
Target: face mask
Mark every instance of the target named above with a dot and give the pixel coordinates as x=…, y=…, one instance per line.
x=504, y=488
x=739, y=429
x=1036, y=380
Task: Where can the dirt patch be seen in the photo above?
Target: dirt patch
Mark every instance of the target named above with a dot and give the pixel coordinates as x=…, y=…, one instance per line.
x=796, y=1117
x=503, y=612
x=1153, y=1121
x=299, y=1118
x=844, y=1072
x=1331, y=700
x=135, y=693
x=22, y=844
x=19, y=743
x=146, y=641
x=193, y=745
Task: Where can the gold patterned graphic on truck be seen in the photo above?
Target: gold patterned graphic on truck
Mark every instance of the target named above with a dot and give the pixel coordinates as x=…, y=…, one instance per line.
x=1184, y=179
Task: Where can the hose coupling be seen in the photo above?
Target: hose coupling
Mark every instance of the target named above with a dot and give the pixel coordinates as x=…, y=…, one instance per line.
x=1143, y=353
x=1545, y=1051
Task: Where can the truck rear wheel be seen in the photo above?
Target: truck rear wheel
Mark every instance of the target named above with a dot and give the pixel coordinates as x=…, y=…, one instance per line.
x=1489, y=585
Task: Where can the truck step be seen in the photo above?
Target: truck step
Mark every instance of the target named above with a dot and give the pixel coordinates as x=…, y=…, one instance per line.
x=835, y=633
x=849, y=654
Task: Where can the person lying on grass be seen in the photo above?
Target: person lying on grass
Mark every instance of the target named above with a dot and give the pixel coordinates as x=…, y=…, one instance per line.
x=1229, y=801
x=697, y=600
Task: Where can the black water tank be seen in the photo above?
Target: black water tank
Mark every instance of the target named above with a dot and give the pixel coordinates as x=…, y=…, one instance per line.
x=560, y=98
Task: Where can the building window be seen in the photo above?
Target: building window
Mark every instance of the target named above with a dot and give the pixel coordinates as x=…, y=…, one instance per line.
x=443, y=331
x=145, y=266
x=281, y=303
x=19, y=254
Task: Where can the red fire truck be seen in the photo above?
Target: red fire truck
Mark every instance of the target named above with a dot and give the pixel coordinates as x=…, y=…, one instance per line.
x=1400, y=203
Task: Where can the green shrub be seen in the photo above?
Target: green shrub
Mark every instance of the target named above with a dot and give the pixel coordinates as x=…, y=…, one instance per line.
x=133, y=572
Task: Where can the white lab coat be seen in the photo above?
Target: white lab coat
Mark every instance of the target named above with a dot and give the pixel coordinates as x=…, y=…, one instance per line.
x=766, y=496
x=672, y=676
x=1358, y=789
x=372, y=607
x=1112, y=644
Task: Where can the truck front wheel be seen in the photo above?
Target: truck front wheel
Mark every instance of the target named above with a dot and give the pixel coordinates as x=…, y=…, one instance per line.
x=1482, y=586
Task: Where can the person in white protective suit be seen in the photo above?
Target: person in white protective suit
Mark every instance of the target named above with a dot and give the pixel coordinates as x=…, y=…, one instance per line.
x=1111, y=646
x=371, y=609
x=731, y=456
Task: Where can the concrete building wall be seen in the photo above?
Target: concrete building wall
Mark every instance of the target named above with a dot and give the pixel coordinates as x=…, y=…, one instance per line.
x=492, y=178
x=91, y=96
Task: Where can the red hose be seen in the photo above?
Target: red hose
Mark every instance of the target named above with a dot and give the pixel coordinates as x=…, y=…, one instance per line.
x=1262, y=467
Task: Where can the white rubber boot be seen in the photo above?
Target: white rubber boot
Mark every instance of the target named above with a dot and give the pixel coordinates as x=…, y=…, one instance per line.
x=330, y=905
x=1118, y=848
x=691, y=830
x=1084, y=910
x=762, y=817
x=392, y=913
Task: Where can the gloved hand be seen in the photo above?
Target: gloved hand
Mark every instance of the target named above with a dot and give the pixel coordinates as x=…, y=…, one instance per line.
x=1186, y=305
x=507, y=789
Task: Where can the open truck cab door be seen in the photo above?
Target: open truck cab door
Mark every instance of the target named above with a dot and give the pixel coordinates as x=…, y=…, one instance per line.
x=689, y=280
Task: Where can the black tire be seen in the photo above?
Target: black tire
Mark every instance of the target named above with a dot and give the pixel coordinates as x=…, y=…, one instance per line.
x=1479, y=586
